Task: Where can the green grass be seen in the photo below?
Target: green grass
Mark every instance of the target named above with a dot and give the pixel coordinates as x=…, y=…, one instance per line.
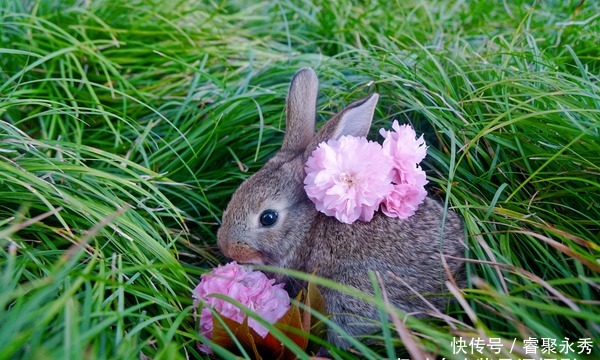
x=126, y=125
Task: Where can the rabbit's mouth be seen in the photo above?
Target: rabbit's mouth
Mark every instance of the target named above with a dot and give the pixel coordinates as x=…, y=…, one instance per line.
x=242, y=253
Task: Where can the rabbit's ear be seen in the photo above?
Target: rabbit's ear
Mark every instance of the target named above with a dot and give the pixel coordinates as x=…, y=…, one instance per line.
x=301, y=110
x=354, y=120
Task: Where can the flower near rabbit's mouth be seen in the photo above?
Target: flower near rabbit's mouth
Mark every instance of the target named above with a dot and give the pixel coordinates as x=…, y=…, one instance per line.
x=241, y=253
x=223, y=322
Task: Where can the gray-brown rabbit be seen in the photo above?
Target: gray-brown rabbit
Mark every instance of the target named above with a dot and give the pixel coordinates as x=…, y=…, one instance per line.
x=271, y=221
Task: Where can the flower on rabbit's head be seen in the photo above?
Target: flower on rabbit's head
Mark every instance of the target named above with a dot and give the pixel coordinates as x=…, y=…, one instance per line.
x=352, y=177
x=403, y=201
x=251, y=288
x=348, y=178
x=405, y=149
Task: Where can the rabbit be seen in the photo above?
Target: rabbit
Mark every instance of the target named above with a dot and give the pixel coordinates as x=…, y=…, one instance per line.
x=271, y=221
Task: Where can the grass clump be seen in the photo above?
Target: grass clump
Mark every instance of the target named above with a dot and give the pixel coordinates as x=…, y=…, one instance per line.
x=125, y=127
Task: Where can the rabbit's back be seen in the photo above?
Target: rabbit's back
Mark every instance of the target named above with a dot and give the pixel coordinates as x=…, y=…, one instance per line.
x=409, y=246
x=406, y=254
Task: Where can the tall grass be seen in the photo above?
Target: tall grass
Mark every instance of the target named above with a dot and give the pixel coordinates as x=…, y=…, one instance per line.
x=126, y=126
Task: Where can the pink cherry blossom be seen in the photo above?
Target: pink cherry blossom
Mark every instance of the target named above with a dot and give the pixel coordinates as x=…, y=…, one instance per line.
x=352, y=177
x=405, y=149
x=251, y=288
x=348, y=178
x=403, y=201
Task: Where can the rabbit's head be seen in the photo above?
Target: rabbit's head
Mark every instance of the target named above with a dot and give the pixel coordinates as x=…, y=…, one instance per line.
x=270, y=214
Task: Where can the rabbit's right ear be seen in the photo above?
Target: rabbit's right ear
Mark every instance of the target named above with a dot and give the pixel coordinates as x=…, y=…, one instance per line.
x=354, y=120
x=301, y=110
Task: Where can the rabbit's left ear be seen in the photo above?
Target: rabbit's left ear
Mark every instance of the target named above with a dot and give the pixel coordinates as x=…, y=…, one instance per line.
x=301, y=110
x=354, y=120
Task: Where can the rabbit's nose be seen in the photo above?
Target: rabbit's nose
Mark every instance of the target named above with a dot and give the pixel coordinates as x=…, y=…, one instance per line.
x=241, y=253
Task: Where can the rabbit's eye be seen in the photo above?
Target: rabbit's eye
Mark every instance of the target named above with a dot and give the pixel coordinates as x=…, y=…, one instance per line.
x=268, y=218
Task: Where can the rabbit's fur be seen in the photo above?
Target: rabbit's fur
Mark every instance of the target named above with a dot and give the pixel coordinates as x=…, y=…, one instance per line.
x=307, y=240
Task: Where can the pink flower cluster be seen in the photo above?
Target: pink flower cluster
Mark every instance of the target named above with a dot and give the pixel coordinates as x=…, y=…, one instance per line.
x=251, y=288
x=348, y=178
x=351, y=178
